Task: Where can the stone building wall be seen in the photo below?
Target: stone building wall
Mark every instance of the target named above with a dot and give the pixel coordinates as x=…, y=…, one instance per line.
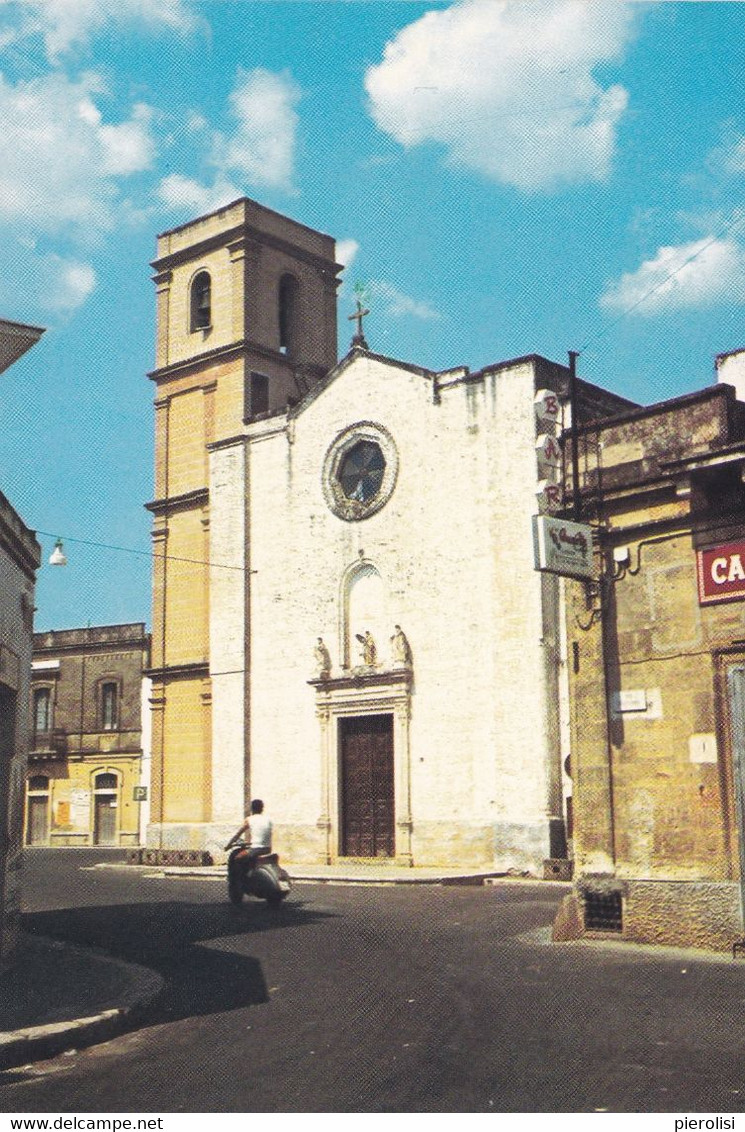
x=85, y=772
x=203, y=398
x=652, y=751
x=19, y=560
x=256, y=557
x=453, y=549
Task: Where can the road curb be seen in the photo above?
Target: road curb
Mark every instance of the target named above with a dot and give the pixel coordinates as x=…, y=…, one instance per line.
x=17, y=1047
x=375, y=877
x=35, y=1043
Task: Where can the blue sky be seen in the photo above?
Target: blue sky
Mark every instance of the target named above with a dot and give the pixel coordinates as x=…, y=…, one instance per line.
x=506, y=178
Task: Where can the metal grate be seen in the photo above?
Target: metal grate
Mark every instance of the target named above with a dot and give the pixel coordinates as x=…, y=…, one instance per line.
x=189, y=857
x=603, y=912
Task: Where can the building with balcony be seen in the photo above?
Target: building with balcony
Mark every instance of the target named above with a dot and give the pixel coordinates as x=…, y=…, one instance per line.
x=88, y=770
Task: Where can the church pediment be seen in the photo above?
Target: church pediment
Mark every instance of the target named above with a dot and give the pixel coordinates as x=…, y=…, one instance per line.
x=357, y=357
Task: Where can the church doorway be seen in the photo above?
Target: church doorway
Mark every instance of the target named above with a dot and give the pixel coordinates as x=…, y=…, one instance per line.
x=367, y=791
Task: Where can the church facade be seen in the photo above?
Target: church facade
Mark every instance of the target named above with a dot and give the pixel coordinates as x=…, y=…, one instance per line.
x=347, y=621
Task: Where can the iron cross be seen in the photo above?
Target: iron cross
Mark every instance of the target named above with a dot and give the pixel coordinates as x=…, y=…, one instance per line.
x=359, y=314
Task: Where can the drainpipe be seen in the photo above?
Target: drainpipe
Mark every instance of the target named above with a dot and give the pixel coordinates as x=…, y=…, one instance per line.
x=576, y=503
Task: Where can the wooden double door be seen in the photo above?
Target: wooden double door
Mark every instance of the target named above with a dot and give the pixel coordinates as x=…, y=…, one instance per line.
x=367, y=786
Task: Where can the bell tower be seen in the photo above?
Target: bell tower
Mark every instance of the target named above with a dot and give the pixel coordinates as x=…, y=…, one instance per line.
x=247, y=289
x=245, y=325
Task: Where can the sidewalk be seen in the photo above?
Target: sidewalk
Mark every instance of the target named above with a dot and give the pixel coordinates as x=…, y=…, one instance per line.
x=348, y=872
x=58, y=997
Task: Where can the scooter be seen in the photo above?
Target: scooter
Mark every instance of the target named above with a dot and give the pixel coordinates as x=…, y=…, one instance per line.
x=265, y=879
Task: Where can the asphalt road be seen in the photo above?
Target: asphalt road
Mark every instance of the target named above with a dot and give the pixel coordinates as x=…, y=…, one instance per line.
x=380, y=999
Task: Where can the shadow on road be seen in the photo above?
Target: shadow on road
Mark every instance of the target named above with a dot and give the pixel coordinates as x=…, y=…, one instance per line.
x=175, y=939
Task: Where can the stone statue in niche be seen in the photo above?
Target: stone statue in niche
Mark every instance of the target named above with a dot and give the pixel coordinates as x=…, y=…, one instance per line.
x=369, y=650
x=322, y=659
x=400, y=649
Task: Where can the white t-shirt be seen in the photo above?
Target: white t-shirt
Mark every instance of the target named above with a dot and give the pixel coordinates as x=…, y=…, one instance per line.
x=261, y=831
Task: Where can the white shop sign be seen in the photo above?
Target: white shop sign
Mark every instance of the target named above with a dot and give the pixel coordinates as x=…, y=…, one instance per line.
x=561, y=547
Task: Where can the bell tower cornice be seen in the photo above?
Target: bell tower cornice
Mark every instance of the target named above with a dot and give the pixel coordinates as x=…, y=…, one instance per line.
x=252, y=241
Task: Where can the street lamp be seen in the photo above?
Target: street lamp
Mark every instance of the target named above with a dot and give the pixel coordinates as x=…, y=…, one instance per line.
x=57, y=557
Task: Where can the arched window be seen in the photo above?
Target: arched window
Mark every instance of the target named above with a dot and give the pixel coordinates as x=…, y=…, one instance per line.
x=42, y=710
x=106, y=782
x=201, y=302
x=288, y=311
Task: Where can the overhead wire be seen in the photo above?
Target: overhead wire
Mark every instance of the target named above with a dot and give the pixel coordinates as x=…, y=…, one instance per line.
x=145, y=553
x=727, y=230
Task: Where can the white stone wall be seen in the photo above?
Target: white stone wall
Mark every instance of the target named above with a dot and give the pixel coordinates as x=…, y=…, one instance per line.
x=730, y=369
x=525, y=623
x=229, y=579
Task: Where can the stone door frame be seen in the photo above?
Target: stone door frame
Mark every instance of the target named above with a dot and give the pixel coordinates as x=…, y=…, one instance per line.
x=371, y=693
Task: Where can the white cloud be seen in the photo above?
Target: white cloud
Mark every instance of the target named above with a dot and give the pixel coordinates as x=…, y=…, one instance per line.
x=730, y=157
x=186, y=194
x=262, y=149
x=507, y=87
x=65, y=24
x=696, y=274
x=67, y=283
x=346, y=250
x=35, y=280
x=399, y=305
x=129, y=147
x=60, y=160
x=259, y=152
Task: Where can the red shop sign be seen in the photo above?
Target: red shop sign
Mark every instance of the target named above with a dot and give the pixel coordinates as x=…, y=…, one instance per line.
x=721, y=573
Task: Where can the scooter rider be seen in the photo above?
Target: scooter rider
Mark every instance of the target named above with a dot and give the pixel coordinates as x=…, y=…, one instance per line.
x=259, y=828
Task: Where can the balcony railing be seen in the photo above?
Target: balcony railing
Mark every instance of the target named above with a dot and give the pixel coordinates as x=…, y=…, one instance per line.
x=48, y=744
